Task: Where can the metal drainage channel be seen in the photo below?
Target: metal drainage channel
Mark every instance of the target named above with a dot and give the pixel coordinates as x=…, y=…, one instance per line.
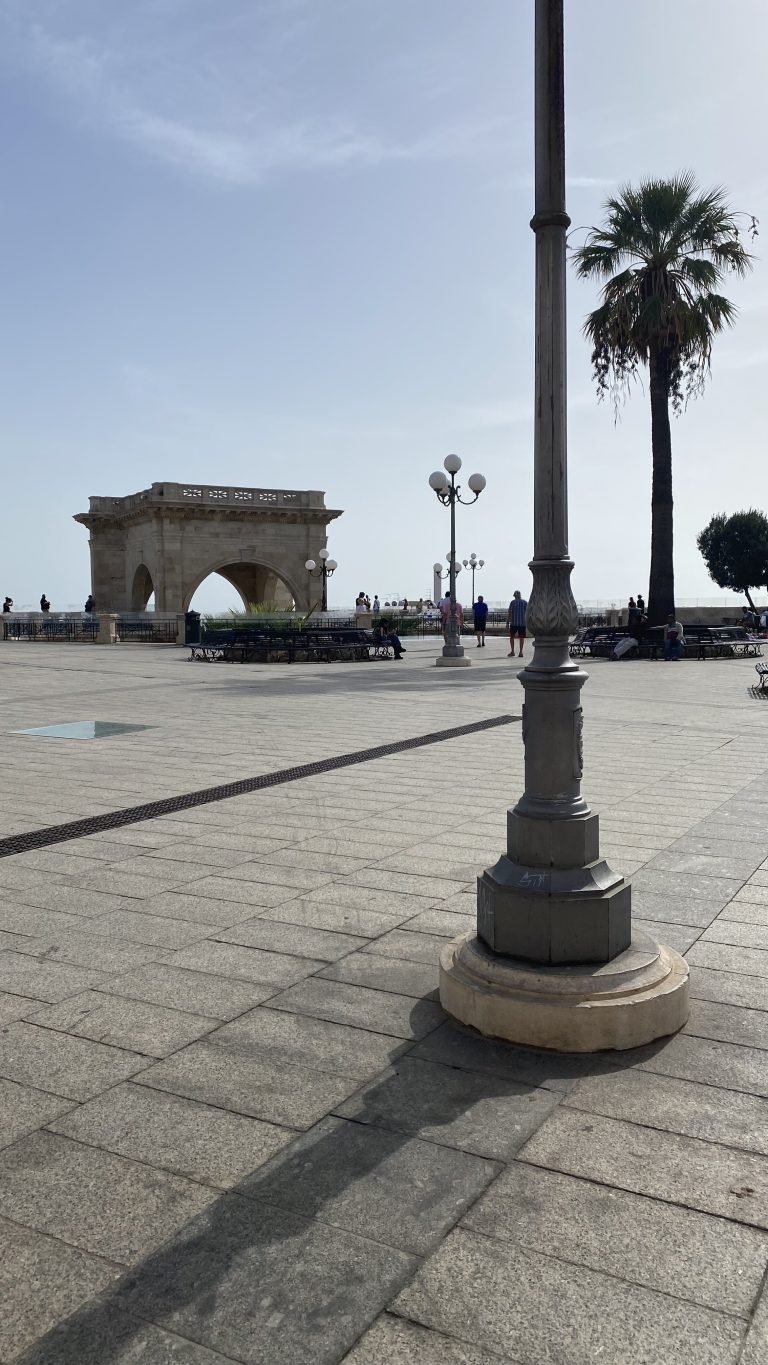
x=131, y=815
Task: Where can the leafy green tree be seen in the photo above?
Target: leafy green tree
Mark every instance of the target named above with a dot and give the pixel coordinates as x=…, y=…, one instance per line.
x=735, y=551
x=662, y=253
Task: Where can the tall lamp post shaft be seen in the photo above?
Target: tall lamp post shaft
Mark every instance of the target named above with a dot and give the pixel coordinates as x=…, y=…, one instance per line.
x=454, y=630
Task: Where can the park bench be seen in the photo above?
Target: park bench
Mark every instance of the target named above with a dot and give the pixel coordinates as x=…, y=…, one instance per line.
x=212, y=645
x=264, y=644
x=598, y=642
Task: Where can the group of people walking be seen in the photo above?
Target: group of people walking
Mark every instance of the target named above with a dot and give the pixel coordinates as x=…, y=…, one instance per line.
x=516, y=619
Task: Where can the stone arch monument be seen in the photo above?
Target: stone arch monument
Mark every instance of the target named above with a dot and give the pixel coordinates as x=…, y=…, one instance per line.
x=170, y=537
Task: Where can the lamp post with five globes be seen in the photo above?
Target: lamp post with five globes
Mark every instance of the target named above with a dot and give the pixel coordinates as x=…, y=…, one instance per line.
x=324, y=569
x=448, y=491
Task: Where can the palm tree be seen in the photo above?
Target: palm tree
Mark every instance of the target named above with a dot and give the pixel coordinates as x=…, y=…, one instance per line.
x=663, y=252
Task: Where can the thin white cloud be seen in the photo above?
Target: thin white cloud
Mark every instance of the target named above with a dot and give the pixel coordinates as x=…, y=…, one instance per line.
x=222, y=138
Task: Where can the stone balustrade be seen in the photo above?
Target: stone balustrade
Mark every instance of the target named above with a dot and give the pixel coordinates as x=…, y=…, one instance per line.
x=209, y=495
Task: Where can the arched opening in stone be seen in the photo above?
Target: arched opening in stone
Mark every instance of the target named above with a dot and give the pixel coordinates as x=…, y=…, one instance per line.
x=142, y=589
x=254, y=584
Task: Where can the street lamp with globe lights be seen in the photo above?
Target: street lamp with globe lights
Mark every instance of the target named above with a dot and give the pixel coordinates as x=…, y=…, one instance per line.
x=475, y=565
x=324, y=569
x=439, y=575
x=444, y=485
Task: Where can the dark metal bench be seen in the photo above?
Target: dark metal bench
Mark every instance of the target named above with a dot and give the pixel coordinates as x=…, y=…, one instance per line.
x=762, y=673
x=212, y=645
x=265, y=643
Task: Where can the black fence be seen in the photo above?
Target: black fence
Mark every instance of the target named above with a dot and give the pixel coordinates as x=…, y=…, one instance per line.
x=151, y=632
x=84, y=629
x=50, y=628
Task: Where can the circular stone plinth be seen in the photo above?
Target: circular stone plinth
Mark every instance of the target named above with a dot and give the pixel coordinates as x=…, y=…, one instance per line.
x=641, y=995
x=452, y=661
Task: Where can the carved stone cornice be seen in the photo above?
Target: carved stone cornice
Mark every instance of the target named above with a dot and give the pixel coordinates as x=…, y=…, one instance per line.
x=254, y=516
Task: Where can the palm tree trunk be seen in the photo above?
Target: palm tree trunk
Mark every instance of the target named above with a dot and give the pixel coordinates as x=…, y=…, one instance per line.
x=661, y=588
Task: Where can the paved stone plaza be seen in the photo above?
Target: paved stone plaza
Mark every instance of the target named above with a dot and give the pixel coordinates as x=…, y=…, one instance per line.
x=235, y=1124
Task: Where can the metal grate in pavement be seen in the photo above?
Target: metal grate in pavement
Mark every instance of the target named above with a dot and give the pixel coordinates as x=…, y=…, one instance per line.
x=131, y=815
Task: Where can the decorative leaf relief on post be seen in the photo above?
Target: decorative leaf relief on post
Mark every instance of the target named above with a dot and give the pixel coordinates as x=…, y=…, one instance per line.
x=578, y=743
x=552, y=609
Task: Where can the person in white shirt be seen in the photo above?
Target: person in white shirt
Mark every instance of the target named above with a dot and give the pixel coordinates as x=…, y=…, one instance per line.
x=376, y=603
x=674, y=638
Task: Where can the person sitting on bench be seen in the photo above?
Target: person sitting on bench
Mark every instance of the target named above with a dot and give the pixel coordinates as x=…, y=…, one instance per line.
x=674, y=638
x=387, y=636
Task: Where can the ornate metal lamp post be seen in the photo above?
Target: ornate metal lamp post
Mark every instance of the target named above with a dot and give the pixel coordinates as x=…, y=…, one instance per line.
x=475, y=565
x=448, y=491
x=323, y=570
x=439, y=575
x=554, y=963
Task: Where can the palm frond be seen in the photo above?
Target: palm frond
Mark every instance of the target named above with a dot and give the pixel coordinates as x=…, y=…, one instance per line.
x=661, y=254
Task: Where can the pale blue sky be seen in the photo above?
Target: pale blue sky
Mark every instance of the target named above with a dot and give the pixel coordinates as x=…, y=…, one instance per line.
x=285, y=243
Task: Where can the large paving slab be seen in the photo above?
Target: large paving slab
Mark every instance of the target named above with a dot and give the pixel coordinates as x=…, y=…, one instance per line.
x=559, y=1311
x=318, y=1287
x=687, y=1171
x=210, y=1145
x=380, y=1184
x=679, y=1252
x=42, y=1280
x=93, y=1199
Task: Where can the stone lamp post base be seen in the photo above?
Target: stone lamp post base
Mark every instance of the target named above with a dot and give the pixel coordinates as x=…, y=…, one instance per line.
x=640, y=995
x=452, y=661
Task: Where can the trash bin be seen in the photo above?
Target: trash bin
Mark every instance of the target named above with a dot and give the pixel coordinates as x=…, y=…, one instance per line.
x=192, y=628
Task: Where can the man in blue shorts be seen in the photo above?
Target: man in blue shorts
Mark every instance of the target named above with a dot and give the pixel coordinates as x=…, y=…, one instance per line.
x=480, y=609
x=516, y=622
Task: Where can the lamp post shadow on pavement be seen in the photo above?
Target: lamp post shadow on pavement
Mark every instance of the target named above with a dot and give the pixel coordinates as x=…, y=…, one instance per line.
x=449, y=493
x=554, y=963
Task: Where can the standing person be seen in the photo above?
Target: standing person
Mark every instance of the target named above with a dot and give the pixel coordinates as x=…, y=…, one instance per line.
x=90, y=605
x=445, y=616
x=376, y=604
x=516, y=622
x=45, y=605
x=634, y=617
x=641, y=604
x=674, y=638
x=360, y=604
x=7, y=605
x=480, y=609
